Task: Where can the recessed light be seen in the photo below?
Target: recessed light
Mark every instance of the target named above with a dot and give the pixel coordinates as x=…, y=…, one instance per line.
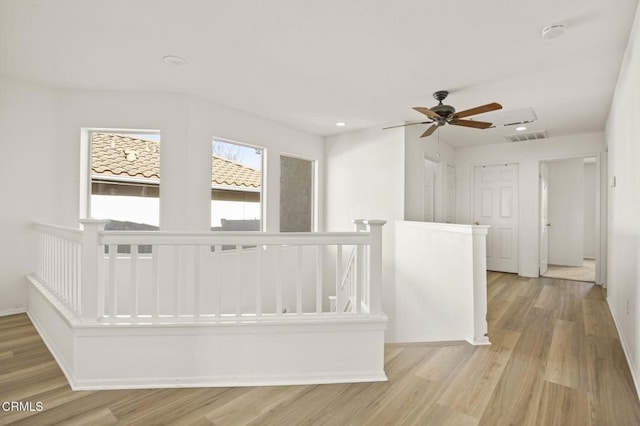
x=341, y=124
x=553, y=31
x=521, y=128
x=174, y=60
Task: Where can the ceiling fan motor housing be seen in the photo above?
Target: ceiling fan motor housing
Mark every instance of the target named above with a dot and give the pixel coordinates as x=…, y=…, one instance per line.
x=444, y=111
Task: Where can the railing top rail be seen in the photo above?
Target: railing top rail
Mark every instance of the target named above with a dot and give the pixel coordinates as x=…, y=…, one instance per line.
x=232, y=238
x=68, y=233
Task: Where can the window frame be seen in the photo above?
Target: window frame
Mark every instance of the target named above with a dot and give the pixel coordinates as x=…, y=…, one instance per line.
x=263, y=177
x=86, y=176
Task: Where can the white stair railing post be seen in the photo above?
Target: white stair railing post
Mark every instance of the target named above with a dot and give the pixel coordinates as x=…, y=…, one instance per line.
x=359, y=295
x=89, y=275
x=375, y=265
x=359, y=225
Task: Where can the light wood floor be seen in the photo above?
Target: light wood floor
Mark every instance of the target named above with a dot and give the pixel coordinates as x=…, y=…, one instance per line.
x=555, y=360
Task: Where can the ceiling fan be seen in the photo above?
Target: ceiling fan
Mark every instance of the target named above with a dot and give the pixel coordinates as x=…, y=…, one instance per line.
x=446, y=114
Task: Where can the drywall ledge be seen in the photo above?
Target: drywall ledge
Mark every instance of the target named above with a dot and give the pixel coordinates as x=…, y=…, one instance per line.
x=97, y=356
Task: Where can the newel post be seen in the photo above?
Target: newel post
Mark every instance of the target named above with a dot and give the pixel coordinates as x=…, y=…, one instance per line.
x=375, y=265
x=89, y=275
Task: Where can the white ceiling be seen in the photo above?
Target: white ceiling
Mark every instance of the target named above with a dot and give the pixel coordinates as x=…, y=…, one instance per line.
x=312, y=63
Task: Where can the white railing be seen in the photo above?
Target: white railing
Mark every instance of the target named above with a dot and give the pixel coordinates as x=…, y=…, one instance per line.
x=58, y=263
x=136, y=277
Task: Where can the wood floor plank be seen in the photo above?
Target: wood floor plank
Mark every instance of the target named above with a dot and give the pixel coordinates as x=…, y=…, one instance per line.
x=598, y=319
x=612, y=391
x=563, y=365
x=443, y=363
x=101, y=416
x=499, y=308
x=439, y=415
x=470, y=391
x=518, y=385
x=252, y=404
x=300, y=410
x=515, y=316
x=549, y=298
x=561, y=406
x=403, y=403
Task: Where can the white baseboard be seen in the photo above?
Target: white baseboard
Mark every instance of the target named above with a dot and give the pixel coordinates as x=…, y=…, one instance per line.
x=480, y=341
x=13, y=311
x=625, y=349
x=228, y=381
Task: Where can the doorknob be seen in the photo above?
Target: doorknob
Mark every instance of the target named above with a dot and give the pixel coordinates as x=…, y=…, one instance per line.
x=548, y=225
x=477, y=223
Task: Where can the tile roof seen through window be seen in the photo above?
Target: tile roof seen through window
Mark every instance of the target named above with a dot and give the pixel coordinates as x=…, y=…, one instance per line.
x=121, y=155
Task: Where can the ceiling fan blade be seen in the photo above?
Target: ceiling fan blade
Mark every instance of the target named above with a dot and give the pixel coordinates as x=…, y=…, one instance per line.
x=477, y=110
x=427, y=112
x=408, y=124
x=470, y=123
x=429, y=131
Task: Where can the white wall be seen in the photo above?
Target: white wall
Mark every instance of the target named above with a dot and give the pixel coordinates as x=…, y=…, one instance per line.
x=566, y=212
x=40, y=135
x=623, y=270
x=28, y=164
x=528, y=155
x=589, y=211
x=364, y=179
x=416, y=150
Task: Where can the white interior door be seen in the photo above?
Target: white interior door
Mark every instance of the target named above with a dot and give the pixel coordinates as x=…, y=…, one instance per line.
x=544, y=218
x=496, y=205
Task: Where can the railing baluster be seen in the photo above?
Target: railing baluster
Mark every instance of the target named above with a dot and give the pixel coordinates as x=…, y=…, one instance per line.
x=155, y=292
x=357, y=294
x=259, y=281
x=176, y=281
x=217, y=288
x=299, y=270
x=76, y=271
x=238, y=282
x=65, y=268
x=133, y=281
x=113, y=291
x=319, y=268
x=279, y=268
x=339, y=302
x=196, y=281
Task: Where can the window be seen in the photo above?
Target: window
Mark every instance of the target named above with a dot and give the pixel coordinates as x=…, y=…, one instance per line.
x=236, y=187
x=124, y=179
x=296, y=194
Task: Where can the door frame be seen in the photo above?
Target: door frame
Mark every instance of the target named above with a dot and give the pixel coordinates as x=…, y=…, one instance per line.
x=542, y=224
x=599, y=260
x=518, y=215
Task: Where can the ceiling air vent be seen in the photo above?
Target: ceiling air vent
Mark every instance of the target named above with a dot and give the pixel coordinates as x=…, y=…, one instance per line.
x=529, y=136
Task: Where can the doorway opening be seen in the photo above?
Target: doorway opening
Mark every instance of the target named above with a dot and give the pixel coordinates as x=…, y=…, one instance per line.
x=569, y=219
